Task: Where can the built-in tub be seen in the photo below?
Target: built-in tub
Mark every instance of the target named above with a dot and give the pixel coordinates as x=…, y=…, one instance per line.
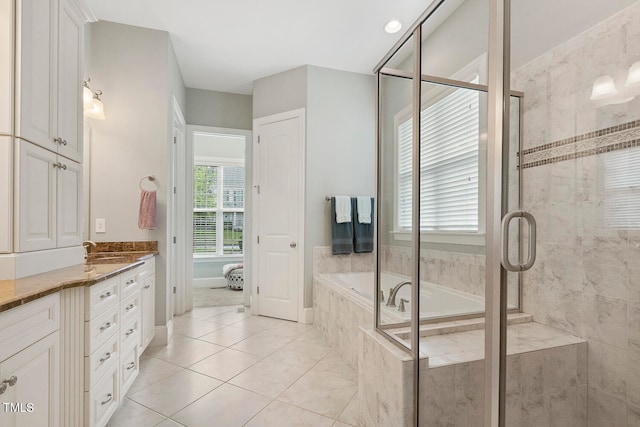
x=436, y=301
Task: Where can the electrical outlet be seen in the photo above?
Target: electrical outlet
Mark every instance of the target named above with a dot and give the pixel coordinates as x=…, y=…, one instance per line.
x=101, y=225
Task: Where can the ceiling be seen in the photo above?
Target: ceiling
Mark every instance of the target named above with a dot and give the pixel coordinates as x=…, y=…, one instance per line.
x=225, y=45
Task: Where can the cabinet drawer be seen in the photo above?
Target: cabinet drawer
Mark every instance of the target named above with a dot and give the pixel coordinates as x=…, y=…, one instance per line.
x=101, y=297
x=130, y=308
x=101, y=402
x=148, y=269
x=100, y=329
x=129, y=283
x=100, y=362
x=24, y=325
x=130, y=334
x=129, y=368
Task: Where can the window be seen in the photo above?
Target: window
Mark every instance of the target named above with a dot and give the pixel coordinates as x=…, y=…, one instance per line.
x=449, y=150
x=218, y=208
x=622, y=188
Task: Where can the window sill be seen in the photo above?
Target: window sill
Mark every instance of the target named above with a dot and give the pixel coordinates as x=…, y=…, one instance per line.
x=208, y=257
x=448, y=237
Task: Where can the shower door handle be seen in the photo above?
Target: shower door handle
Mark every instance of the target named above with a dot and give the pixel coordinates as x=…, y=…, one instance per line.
x=505, y=241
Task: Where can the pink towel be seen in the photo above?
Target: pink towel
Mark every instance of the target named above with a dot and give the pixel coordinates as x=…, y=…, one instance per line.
x=147, y=213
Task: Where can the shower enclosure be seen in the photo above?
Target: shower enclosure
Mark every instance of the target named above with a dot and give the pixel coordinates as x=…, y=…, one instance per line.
x=508, y=206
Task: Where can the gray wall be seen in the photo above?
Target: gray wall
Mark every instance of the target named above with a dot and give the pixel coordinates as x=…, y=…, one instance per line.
x=340, y=150
x=131, y=65
x=218, y=109
x=340, y=140
x=280, y=92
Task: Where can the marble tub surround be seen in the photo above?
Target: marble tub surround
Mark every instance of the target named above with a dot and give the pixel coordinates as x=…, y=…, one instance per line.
x=586, y=280
x=21, y=291
x=325, y=262
x=454, y=270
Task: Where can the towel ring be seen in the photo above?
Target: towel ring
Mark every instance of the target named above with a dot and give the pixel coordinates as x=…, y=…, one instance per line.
x=152, y=179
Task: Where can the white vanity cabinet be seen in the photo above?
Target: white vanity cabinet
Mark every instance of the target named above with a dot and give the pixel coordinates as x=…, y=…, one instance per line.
x=147, y=279
x=30, y=364
x=48, y=80
x=48, y=199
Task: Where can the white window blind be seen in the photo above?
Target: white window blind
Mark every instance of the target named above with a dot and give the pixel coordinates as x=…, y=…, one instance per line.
x=622, y=188
x=449, y=133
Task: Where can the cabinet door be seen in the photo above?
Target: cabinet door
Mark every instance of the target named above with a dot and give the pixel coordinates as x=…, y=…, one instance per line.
x=35, y=211
x=69, y=204
x=36, y=71
x=70, y=86
x=33, y=400
x=6, y=67
x=148, y=312
x=6, y=194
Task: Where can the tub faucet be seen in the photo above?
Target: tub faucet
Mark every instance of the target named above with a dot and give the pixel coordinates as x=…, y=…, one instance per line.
x=391, y=301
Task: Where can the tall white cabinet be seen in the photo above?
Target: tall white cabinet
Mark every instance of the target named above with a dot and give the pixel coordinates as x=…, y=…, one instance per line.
x=41, y=127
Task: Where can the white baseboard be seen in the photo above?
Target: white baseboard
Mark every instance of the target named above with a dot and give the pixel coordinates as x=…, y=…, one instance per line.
x=307, y=317
x=19, y=265
x=163, y=334
x=210, y=282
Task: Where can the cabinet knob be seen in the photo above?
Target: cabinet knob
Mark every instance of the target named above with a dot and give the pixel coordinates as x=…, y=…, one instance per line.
x=63, y=142
x=293, y=244
x=57, y=140
x=12, y=381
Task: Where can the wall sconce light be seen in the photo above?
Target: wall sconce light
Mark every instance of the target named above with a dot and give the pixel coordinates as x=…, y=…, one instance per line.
x=603, y=88
x=93, y=106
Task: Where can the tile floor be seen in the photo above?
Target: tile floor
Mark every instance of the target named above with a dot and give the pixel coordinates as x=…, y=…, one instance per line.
x=225, y=368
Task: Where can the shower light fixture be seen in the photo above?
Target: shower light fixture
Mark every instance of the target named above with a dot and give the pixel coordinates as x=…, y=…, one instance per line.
x=93, y=106
x=393, y=26
x=603, y=88
x=633, y=79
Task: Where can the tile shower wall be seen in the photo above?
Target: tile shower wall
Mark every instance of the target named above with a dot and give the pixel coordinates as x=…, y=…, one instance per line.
x=587, y=277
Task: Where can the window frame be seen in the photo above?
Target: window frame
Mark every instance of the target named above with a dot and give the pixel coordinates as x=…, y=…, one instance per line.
x=477, y=67
x=219, y=210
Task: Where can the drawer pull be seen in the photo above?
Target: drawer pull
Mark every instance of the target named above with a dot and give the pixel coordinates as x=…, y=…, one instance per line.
x=129, y=332
x=105, y=295
x=130, y=282
x=12, y=381
x=146, y=286
x=109, y=398
x=130, y=307
x=8, y=383
x=3, y=387
x=106, y=357
x=105, y=326
x=131, y=365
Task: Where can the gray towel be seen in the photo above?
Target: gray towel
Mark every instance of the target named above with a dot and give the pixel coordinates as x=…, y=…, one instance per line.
x=363, y=233
x=341, y=234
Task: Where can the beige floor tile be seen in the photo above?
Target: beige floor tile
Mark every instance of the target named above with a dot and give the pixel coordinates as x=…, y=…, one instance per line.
x=314, y=335
x=282, y=414
x=168, y=422
x=334, y=364
x=268, y=377
x=303, y=354
x=227, y=406
x=226, y=364
x=290, y=329
x=152, y=370
x=257, y=323
x=206, y=312
x=175, y=392
x=321, y=393
x=340, y=424
x=194, y=328
x=184, y=351
x=230, y=317
x=351, y=414
x=261, y=344
x=227, y=336
x=132, y=414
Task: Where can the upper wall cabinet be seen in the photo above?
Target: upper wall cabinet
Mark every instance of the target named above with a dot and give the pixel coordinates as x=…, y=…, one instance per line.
x=6, y=67
x=6, y=195
x=48, y=80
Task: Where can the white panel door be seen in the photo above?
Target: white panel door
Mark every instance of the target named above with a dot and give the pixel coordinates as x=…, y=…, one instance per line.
x=6, y=194
x=35, y=208
x=36, y=371
x=280, y=202
x=36, y=71
x=70, y=81
x=69, y=204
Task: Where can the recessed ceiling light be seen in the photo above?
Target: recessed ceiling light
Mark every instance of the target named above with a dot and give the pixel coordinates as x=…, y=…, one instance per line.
x=393, y=26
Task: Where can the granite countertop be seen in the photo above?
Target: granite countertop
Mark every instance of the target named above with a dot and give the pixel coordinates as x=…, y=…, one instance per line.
x=100, y=266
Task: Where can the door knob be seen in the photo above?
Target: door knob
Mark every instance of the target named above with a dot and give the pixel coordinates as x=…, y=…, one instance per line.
x=293, y=244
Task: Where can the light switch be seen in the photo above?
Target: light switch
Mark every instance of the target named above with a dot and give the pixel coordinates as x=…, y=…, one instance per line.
x=101, y=225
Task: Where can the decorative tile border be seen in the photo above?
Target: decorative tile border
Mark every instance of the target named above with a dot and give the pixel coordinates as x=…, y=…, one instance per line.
x=590, y=144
